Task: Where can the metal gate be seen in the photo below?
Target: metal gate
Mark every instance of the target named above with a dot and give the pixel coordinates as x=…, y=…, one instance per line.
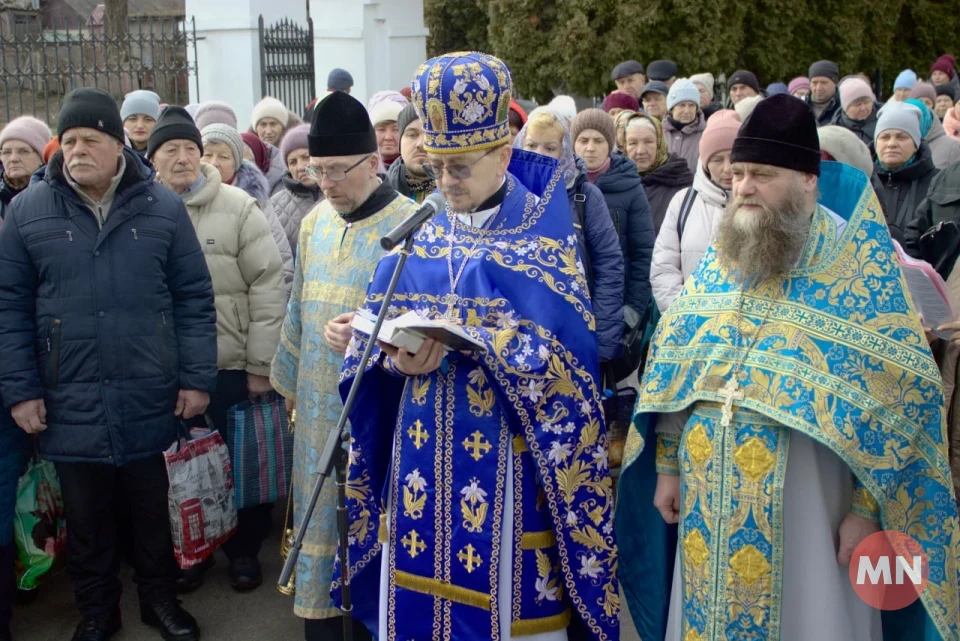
x=38, y=68
x=286, y=63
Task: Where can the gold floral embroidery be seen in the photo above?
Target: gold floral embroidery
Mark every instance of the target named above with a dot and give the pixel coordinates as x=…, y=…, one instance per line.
x=481, y=397
x=414, y=495
x=474, y=507
x=421, y=385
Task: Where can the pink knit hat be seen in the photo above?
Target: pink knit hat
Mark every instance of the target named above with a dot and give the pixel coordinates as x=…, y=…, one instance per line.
x=797, y=84
x=852, y=90
x=214, y=112
x=924, y=90
x=721, y=131
x=28, y=129
x=296, y=138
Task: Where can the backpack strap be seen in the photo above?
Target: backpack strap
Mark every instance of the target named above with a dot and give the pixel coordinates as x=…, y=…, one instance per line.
x=580, y=203
x=685, y=211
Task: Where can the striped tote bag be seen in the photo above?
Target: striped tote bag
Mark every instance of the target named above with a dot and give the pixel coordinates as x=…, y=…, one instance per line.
x=262, y=448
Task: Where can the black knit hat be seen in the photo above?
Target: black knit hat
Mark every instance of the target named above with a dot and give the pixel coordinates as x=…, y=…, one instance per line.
x=781, y=132
x=93, y=108
x=174, y=123
x=341, y=127
x=824, y=69
x=407, y=115
x=661, y=70
x=743, y=77
x=945, y=90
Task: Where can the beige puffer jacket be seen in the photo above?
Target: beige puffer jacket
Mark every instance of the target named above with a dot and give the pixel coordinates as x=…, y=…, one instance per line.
x=247, y=273
x=674, y=261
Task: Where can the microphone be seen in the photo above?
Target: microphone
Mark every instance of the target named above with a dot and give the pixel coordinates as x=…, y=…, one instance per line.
x=430, y=207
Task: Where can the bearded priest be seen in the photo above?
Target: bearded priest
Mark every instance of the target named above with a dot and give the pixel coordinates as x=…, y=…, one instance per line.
x=798, y=407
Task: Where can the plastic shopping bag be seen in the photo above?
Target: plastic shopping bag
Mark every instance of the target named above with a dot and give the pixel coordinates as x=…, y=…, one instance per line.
x=39, y=529
x=201, y=500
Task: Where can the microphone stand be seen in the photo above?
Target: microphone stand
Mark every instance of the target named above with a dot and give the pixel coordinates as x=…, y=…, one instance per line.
x=336, y=457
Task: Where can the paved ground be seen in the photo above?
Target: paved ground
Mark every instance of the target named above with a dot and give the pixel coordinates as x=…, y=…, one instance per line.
x=224, y=615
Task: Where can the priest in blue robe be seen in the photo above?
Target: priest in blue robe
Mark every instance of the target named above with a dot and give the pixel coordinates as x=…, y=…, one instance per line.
x=479, y=489
x=798, y=409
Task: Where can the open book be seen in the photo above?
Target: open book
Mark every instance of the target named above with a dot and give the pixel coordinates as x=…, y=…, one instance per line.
x=928, y=291
x=410, y=331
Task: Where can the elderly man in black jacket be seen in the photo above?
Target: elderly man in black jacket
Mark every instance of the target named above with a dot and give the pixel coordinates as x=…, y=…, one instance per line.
x=108, y=334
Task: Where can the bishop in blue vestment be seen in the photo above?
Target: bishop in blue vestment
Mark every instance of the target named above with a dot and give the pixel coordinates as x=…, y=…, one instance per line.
x=479, y=488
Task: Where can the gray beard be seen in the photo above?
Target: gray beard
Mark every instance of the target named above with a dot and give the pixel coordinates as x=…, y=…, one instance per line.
x=767, y=246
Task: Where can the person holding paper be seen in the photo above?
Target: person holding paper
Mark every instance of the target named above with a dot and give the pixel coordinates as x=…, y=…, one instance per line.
x=338, y=250
x=480, y=497
x=798, y=408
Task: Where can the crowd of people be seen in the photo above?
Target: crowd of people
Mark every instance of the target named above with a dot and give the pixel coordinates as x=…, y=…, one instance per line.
x=158, y=264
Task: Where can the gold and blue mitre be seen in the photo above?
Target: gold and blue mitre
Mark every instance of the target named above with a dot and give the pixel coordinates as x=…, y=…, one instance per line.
x=463, y=100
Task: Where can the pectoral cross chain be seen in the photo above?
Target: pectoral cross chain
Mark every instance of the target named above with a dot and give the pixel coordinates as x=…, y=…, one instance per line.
x=730, y=392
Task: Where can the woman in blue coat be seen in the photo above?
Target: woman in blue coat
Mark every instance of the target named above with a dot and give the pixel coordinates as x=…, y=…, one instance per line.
x=546, y=133
x=615, y=175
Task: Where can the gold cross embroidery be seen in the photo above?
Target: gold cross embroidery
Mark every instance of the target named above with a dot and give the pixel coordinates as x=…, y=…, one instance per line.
x=479, y=446
x=418, y=434
x=730, y=392
x=470, y=559
x=413, y=544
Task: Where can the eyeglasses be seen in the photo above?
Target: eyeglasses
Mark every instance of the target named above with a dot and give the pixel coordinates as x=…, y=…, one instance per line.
x=335, y=175
x=458, y=171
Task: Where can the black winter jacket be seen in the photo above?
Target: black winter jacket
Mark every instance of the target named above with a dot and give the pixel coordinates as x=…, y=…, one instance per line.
x=902, y=190
x=829, y=113
x=106, y=326
x=942, y=204
x=662, y=183
x=865, y=129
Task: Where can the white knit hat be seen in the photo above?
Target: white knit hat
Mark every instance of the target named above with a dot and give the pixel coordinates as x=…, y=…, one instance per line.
x=385, y=106
x=706, y=81
x=564, y=106
x=846, y=147
x=270, y=108
x=746, y=106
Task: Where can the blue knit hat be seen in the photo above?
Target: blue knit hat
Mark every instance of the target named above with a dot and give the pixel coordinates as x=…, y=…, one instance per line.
x=777, y=87
x=682, y=91
x=339, y=80
x=905, y=80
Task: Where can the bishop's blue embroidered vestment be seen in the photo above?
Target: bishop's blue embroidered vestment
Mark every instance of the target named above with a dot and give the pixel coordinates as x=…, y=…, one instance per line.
x=430, y=454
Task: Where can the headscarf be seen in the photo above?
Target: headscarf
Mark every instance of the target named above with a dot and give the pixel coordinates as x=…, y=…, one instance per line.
x=623, y=120
x=926, y=116
x=261, y=156
x=568, y=161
